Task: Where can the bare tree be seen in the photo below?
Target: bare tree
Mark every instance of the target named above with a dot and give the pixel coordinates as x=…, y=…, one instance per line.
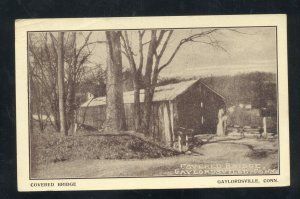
x=115, y=113
x=37, y=103
x=157, y=46
x=136, y=73
x=43, y=66
x=76, y=57
x=43, y=73
x=60, y=78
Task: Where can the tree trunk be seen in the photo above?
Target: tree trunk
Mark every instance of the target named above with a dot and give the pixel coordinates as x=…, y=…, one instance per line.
x=72, y=106
x=115, y=113
x=31, y=97
x=149, y=93
x=147, y=109
x=149, y=90
x=60, y=70
x=137, y=105
x=55, y=112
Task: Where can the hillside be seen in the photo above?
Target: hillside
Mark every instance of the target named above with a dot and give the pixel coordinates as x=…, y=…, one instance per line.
x=256, y=88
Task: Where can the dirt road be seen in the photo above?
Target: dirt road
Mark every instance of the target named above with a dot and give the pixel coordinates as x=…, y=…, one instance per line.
x=247, y=151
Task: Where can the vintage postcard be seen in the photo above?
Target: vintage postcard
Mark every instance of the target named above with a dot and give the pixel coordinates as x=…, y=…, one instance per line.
x=152, y=103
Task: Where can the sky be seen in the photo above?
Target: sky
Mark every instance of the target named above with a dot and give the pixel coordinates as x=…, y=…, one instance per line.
x=252, y=50
x=246, y=50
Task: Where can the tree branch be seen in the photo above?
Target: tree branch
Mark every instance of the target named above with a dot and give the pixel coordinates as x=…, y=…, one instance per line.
x=141, y=35
x=183, y=41
x=128, y=51
x=84, y=45
x=161, y=35
x=165, y=44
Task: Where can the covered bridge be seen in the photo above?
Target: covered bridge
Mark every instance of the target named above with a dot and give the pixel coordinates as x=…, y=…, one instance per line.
x=188, y=104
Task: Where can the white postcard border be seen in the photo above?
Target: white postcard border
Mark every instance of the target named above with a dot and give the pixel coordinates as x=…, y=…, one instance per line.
x=23, y=26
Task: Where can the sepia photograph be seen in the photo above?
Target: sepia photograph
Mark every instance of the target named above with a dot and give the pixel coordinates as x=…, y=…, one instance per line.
x=153, y=102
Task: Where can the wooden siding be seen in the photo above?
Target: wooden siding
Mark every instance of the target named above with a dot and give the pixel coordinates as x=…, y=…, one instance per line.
x=160, y=122
x=196, y=108
x=92, y=116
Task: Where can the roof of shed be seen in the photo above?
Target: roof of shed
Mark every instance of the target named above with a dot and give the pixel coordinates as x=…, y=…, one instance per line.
x=162, y=93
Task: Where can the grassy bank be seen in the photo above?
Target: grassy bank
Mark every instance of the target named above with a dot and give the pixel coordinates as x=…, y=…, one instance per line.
x=51, y=147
